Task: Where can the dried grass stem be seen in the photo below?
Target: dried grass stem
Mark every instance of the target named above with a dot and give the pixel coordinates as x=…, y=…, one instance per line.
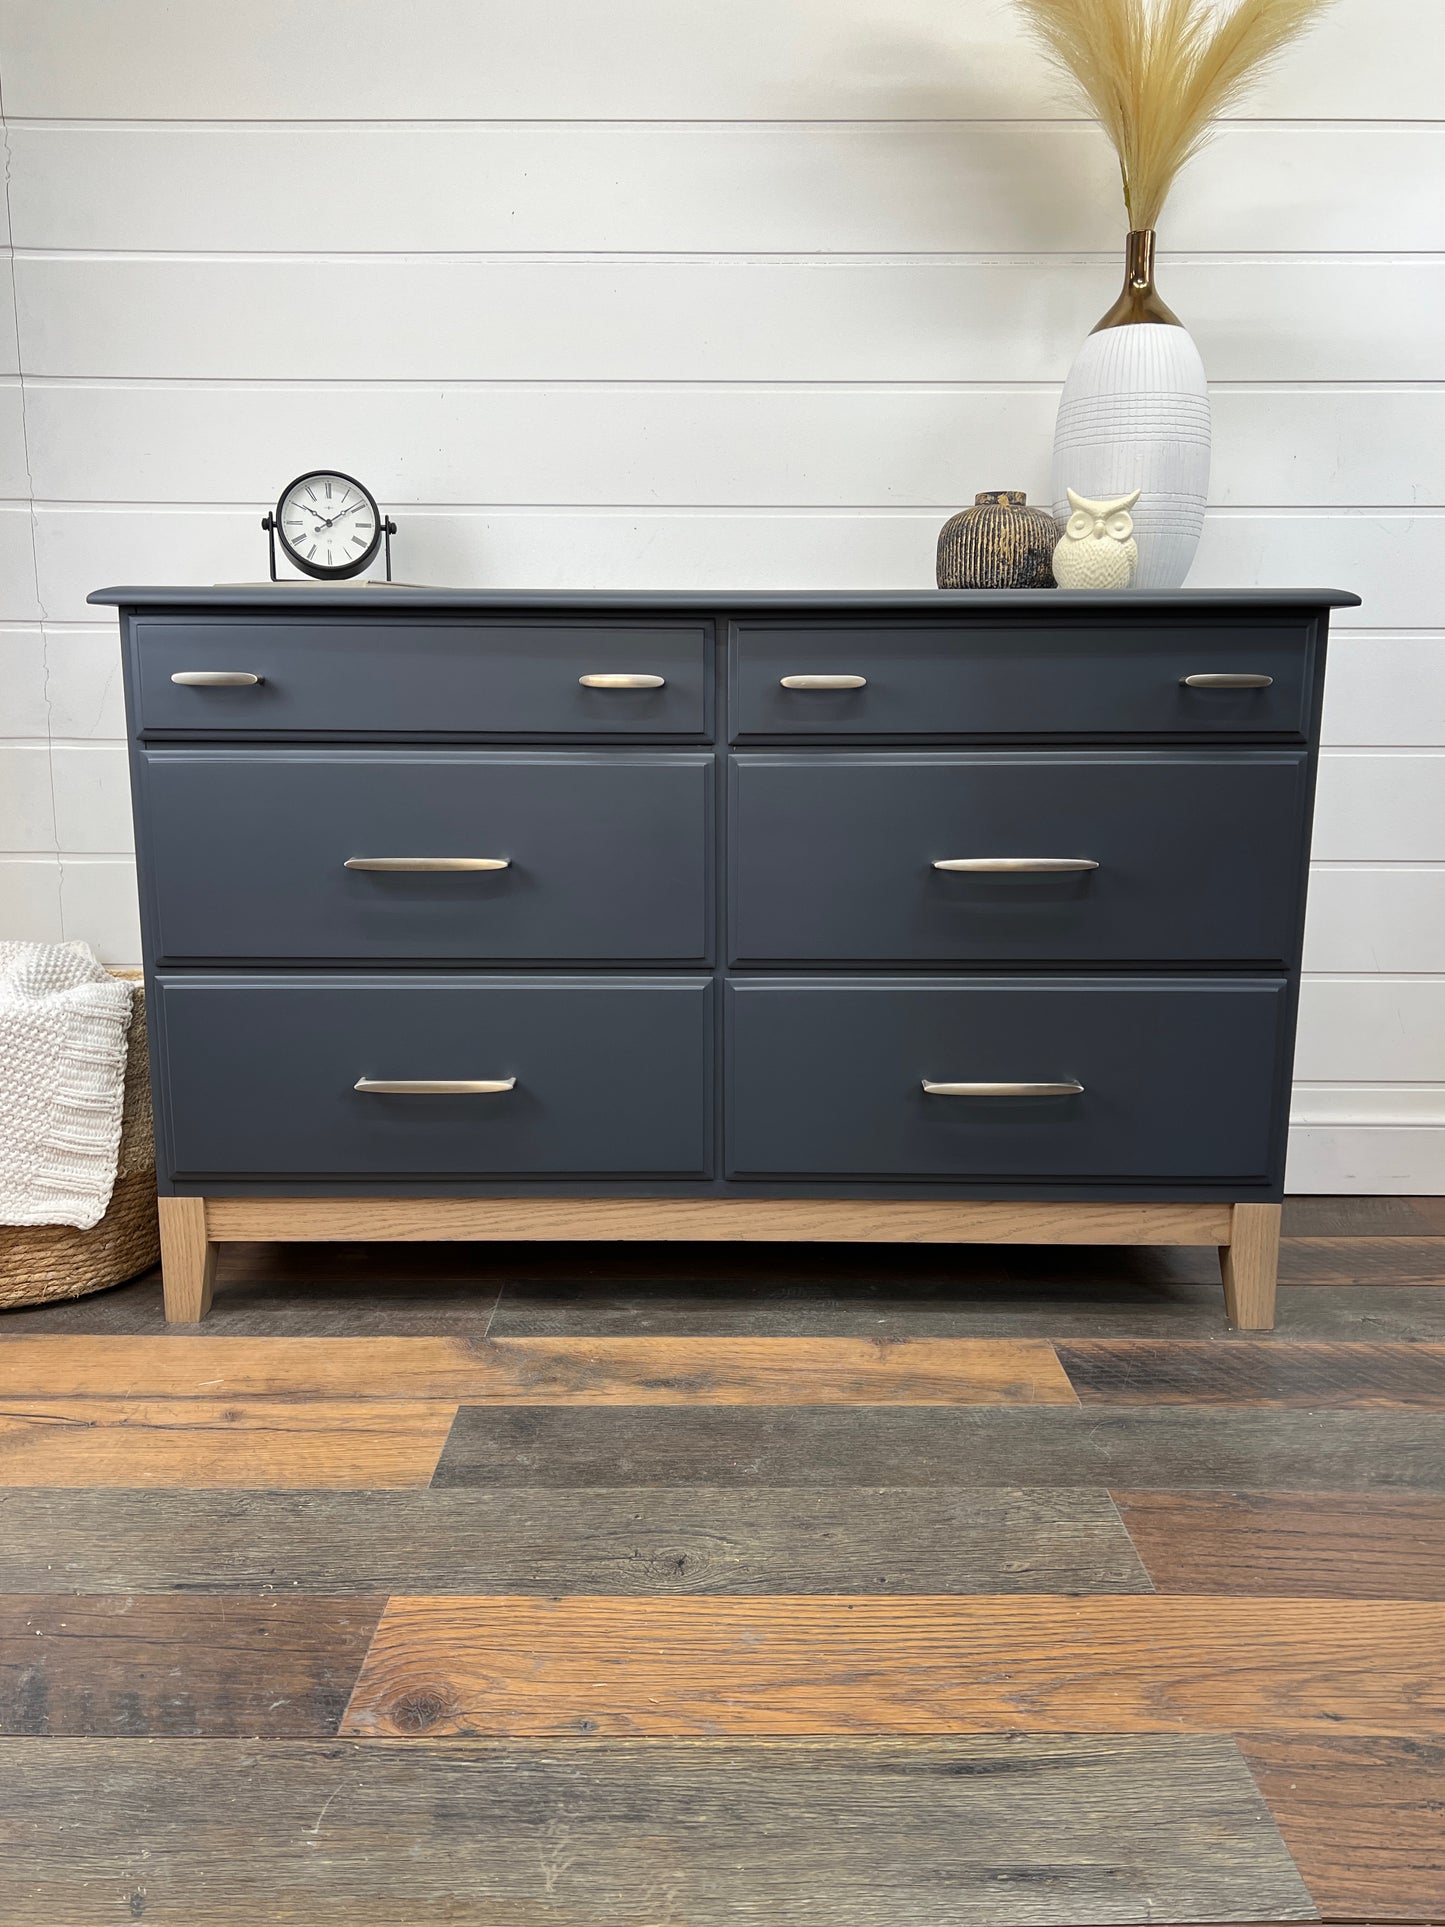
x=1158, y=73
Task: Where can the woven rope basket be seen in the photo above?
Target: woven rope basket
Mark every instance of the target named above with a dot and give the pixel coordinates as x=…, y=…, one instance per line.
x=44, y=1262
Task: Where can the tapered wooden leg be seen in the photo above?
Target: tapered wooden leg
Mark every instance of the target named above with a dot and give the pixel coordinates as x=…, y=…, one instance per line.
x=188, y=1259
x=1250, y=1262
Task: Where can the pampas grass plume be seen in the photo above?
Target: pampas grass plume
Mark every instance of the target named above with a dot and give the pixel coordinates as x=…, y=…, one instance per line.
x=1157, y=73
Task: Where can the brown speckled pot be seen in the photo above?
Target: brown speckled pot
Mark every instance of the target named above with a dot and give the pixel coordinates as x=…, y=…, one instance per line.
x=1000, y=543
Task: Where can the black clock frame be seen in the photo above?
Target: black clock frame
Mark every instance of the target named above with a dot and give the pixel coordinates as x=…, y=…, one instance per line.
x=385, y=530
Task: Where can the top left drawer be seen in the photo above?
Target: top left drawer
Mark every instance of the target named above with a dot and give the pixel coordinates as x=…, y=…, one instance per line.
x=349, y=677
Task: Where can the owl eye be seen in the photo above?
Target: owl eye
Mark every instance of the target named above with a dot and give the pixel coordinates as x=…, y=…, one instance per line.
x=1080, y=524
x=1121, y=525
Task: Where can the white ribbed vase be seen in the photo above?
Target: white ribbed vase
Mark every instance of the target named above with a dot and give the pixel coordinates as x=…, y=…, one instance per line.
x=1135, y=414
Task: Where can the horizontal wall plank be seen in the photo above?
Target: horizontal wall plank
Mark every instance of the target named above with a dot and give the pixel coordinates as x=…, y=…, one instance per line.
x=1397, y=560
x=1371, y=1030
x=1365, y=919
x=647, y=59
x=547, y=1371
x=702, y=187
x=15, y=481
x=1365, y=1161
x=27, y=806
x=199, y=1442
x=30, y=899
x=662, y=1540
x=1036, y=1445
x=205, y=1833
x=1385, y=690
x=726, y=1668
x=9, y=343
x=734, y=446
x=18, y=599
x=83, y=682
x=825, y=318
x=91, y=785
x=99, y=906
x=1346, y=1104
x=1378, y=806
x=24, y=710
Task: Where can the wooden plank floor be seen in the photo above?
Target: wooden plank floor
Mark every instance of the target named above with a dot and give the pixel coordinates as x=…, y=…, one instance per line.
x=671, y=1587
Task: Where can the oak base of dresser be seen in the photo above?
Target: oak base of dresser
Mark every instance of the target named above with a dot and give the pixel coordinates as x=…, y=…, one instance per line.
x=192, y=1229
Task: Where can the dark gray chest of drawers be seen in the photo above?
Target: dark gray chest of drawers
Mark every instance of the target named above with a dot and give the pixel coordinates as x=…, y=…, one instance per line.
x=902, y=909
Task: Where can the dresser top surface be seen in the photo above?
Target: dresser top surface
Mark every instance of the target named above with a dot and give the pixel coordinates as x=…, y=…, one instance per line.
x=294, y=597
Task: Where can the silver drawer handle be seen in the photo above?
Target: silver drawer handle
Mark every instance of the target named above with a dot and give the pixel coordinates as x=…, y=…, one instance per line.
x=622, y=682
x=1012, y=865
x=1241, y=680
x=824, y=682
x=1069, y=1089
x=435, y=1086
x=215, y=678
x=428, y=863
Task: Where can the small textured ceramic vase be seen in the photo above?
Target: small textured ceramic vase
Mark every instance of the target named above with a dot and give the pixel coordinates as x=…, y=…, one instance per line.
x=1097, y=549
x=1000, y=543
x=1135, y=408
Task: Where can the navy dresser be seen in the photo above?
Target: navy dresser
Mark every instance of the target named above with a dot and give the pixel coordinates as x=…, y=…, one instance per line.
x=899, y=917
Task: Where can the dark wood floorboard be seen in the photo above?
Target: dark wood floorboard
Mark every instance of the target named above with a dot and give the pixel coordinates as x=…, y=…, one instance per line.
x=1364, y=1819
x=773, y=1291
x=727, y=1495
x=1339, y=1376
x=1129, y=1303
x=121, y=1666
x=694, y=1668
x=1173, y=1446
x=995, y=1832
x=305, y=1291
x=668, y=1540
x=1302, y=1545
x=1364, y=1217
x=1362, y=1261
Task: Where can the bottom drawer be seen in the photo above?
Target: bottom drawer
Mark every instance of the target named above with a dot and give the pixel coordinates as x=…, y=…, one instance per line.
x=1177, y=1079
x=611, y=1076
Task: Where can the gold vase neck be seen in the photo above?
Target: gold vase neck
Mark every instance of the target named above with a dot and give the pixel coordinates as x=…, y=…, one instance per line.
x=1139, y=299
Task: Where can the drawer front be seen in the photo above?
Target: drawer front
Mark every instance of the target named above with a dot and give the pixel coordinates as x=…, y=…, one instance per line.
x=611, y=1076
x=1089, y=677
x=607, y=855
x=1179, y=1079
x=1198, y=854
x=492, y=678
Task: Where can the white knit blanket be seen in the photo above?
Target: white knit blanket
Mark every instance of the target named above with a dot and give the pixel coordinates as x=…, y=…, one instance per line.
x=63, y=1024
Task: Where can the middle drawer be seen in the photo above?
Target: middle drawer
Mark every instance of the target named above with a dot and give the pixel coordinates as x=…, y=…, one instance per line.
x=1125, y=856
x=373, y=854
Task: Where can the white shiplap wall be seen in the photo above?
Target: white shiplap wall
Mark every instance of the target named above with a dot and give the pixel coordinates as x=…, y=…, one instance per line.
x=736, y=292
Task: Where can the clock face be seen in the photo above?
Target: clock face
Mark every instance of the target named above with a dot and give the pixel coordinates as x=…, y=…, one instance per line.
x=328, y=524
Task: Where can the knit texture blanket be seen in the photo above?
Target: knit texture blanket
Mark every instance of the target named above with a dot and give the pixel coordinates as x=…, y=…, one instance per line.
x=63, y=1025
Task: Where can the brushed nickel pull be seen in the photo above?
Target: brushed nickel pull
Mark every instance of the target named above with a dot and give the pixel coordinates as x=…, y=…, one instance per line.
x=622, y=682
x=1227, y=680
x=435, y=1086
x=1011, y=865
x=1066, y=1089
x=427, y=863
x=824, y=682
x=215, y=678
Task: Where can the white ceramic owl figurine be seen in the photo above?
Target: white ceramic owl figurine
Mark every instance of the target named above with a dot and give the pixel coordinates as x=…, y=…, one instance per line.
x=1097, y=549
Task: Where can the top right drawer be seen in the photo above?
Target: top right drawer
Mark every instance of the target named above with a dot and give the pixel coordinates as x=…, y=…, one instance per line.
x=1066, y=678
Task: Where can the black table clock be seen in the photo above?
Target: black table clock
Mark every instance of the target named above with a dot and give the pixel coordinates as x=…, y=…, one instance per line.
x=329, y=526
